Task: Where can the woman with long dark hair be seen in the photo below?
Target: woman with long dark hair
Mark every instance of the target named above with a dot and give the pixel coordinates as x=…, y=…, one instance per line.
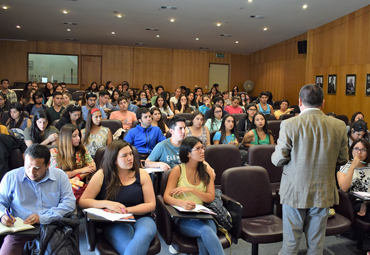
x=41, y=130
x=48, y=90
x=358, y=130
x=157, y=120
x=93, y=87
x=228, y=133
x=162, y=105
x=3, y=103
x=259, y=132
x=95, y=135
x=197, y=128
x=71, y=115
x=28, y=97
x=27, y=86
x=17, y=120
x=192, y=101
x=182, y=105
x=141, y=102
x=132, y=97
x=122, y=187
x=191, y=184
x=114, y=97
x=215, y=120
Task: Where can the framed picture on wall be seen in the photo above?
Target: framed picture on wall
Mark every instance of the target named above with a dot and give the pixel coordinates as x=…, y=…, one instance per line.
x=368, y=85
x=318, y=81
x=350, y=84
x=332, y=84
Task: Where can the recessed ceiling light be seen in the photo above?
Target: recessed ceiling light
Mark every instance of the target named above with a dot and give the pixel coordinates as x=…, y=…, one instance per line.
x=69, y=30
x=265, y=28
x=218, y=24
x=119, y=16
x=250, y=1
x=18, y=26
x=172, y=20
x=236, y=41
x=113, y=33
x=5, y=7
x=304, y=6
x=197, y=39
x=65, y=12
x=157, y=35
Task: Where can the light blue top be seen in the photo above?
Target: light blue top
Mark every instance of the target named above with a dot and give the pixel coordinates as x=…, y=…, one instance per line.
x=263, y=111
x=166, y=152
x=203, y=109
x=85, y=111
x=215, y=126
x=51, y=198
x=217, y=137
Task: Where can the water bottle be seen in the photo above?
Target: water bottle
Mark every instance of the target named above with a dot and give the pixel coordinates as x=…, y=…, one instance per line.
x=232, y=138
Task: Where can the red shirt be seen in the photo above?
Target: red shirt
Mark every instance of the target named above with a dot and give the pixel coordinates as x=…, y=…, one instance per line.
x=233, y=110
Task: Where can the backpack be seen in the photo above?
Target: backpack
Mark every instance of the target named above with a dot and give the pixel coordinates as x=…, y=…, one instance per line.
x=223, y=217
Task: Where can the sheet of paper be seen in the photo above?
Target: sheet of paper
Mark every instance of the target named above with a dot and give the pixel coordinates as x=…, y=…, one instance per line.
x=107, y=215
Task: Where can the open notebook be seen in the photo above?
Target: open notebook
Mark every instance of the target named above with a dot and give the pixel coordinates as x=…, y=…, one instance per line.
x=197, y=209
x=111, y=216
x=18, y=226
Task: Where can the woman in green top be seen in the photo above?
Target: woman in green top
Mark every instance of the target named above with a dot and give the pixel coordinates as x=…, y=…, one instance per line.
x=259, y=132
x=215, y=120
x=189, y=184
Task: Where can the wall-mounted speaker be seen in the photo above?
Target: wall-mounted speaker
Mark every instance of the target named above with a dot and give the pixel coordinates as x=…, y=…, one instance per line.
x=302, y=47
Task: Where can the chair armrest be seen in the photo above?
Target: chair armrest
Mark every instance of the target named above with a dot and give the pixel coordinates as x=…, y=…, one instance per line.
x=236, y=210
x=91, y=233
x=345, y=206
x=279, y=207
x=164, y=221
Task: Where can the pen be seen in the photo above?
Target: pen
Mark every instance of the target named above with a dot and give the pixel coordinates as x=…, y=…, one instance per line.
x=7, y=213
x=123, y=210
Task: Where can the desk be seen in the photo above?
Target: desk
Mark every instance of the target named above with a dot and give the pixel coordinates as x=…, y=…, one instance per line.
x=34, y=231
x=187, y=215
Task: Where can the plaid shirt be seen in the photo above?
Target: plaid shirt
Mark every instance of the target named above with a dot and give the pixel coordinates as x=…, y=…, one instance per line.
x=11, y=96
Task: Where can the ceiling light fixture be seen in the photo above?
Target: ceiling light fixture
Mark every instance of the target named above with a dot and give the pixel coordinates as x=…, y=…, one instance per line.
x=236, y=41
x=197, y=39
x=69, y=30
x=119, y=16
x=65, y=12
x=157, y=35
x=304, y=6
x=265, y=28
x=113, y=33
x=172, y=20
x=5, y=7
x=250, y=1
x=18, y=26
x=218, y=24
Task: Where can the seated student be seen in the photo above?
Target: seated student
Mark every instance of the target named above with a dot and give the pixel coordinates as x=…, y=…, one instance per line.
x=132, y=96
x=103, y=101
x=115, y=95
x=17, y=122
x=355, y=174
x=36, y=193
x=192, y=102
x=244, y=100
x=197, y=128
x=49, y=102
x=198, y=91
x=166, y=153
x=259, y=132
x=234, y=107
x=109, y=87
x=72, y=115
x=226, y=97
x=143, y=100
x=93, y=87
x=355, y=117
x=37, y=98
x=182, y=105
x=90, y=104
x=56, y=110
x=358, y=130
x=48, y=90
x=10, y=94
x=175, y=99
x=95, y=135
x=183, y=90
x=27, y=87
x=159, y=89
x=216, y=101
x=122, y=187
x=263, y=106
x=3, y=104
x=126, y=117
x=144, y=136
x=206, y=104
x=28, y=97
x=215, y=120
x=157, y=120
x=162, y=105
x=284, y=109
x=41, y=130
x=67, y=100
x=245, y=123
x=72, y=157
x=189, y=184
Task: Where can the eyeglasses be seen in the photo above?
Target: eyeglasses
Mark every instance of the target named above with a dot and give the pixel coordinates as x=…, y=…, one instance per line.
x=252, y=109
x=357, y=150
x=218, y=111
x=199, y=148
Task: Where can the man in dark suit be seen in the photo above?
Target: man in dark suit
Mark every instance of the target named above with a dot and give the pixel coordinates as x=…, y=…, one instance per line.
x=309, y=147
x=319, y=82
x=331, y=86
x=350, y=86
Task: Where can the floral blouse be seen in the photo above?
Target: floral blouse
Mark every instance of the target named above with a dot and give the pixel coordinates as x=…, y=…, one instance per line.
x=360, y=178
x=96, y=141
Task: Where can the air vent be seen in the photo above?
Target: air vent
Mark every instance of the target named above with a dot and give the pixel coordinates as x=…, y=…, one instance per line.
x=257, y=16
x=140, y=43
x=204, y=48
x=226, y=35
x=70, y=23
x=152, y=29
x=166, y=7
x=71, y=39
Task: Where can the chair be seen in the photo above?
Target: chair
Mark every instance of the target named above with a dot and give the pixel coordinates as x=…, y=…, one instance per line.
x=165, y=120
x=260, y=155
x=18, y=92
x=251, y=187
x=55, y=122
x=76, y=95
x=221, y=157
x=344, y=118
x=274, y=126
x=186, y=116
x=276, y=105
x=286, y=116
x=15, y=159
x=135, y=123
x=185, y=244
x=238, y=116
x=96, y=240
x=113, y=125
x=211, y=135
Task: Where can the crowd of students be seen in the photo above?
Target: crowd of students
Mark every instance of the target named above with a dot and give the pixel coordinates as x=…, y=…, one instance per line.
x=48, y=116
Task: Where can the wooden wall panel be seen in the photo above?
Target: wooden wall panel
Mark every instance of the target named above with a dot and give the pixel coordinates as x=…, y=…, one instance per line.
x=117, y=64
x=13, y=64
x=90, y=70
x=91, y=49
x=190, y=68
x=153, y=66
x=58, y=48
x=240, y=70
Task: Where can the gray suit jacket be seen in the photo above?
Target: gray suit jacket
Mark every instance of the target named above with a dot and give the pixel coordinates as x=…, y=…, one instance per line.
x=309, y=147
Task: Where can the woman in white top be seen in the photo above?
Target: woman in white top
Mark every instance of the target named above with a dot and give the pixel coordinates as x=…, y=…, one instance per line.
x=162, y=105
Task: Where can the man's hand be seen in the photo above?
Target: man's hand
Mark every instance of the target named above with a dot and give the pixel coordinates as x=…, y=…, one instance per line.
x=6, y=221
x=32, y=219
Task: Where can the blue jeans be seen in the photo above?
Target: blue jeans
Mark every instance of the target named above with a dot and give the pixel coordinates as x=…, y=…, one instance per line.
x=205, y=232
x=127, y=238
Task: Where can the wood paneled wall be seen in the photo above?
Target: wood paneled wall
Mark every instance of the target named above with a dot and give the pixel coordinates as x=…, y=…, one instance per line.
x=342, y=47
x=137, y=65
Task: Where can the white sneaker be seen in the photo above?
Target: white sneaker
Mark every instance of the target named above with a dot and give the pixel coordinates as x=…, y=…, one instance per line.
x=172, y=250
